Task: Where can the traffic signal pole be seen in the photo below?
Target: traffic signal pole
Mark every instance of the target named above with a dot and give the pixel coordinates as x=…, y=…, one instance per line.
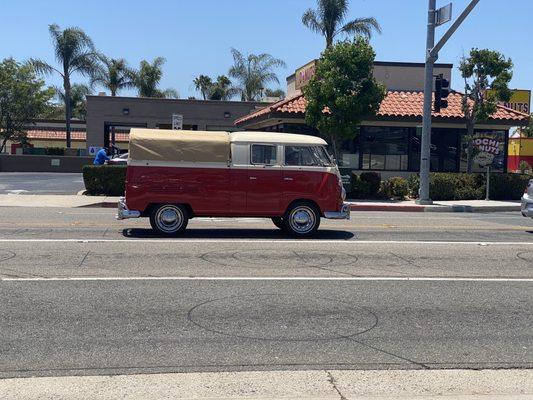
x=425, y=149
x=432, y=54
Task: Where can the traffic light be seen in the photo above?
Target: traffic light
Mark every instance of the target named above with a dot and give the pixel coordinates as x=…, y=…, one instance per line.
x=442, y=91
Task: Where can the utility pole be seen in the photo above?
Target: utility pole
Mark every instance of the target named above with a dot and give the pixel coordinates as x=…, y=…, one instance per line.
x=432, y=54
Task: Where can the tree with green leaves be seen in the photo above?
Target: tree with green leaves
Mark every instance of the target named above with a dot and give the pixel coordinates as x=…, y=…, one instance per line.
x=22, y=98
x=222, y=89
x=329, y=19
x=483, y=70
x=203, y=83
x=343, y=91
x=528, y=130
x=78, y=100
x=75, y=53
x=253, y=73
x=148, y=77
x=279, y=93
x=113, y=75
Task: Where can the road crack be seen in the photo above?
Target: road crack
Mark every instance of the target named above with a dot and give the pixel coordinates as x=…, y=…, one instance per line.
x=333, y=382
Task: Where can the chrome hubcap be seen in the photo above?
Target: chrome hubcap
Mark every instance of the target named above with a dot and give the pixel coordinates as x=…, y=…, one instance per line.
x=169, y=218
x=302, y=219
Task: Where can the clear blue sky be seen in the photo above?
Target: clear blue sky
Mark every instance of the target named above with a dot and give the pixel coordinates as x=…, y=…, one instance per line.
x=196, y=36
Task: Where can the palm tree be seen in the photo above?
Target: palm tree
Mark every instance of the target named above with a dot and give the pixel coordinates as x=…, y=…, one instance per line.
x=114, y=75
x=253, y=73
x=203, y=83
x=78, y=102
x=147, y=79
x=329, y=20
x=75, y=52
x=222, y=89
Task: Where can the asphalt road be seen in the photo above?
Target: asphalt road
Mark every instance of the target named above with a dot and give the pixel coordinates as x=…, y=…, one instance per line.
x=83, y=294
x=40, y=183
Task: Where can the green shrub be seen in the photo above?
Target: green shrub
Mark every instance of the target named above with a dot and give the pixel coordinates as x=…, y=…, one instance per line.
x=442, y=186
x=395, y=187
x=374, y=181
x=366, y=185
x=359, y=189
x=104, y=179
x=54, y=151
x=507, y=186
x=414, y=185
x=461, y=186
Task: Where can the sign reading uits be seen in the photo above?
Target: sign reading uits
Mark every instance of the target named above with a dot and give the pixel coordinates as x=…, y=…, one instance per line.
x=520, y=101
x=303, y=74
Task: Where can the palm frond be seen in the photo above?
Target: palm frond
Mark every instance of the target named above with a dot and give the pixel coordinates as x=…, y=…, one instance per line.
x=361, y=26
x=41, y=67
x=311, y=20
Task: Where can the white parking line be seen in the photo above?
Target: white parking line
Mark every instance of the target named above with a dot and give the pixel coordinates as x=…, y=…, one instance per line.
x=267, y=278
x=277, y=241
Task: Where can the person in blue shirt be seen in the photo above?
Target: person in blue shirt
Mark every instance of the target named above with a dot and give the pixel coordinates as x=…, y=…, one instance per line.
x=102, y=156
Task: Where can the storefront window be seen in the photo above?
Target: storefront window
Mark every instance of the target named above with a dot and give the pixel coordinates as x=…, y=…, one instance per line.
x=488, y=149
x=444, y=150
x=385, y=148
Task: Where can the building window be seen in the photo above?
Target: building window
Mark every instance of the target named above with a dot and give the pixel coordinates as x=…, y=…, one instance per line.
x=444, y=150
x=384, y=148
x=263, y=154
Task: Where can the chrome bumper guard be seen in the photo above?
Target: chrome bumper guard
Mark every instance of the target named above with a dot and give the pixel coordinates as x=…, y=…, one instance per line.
x=344, y=213
x=124, y=212
x=527, y=207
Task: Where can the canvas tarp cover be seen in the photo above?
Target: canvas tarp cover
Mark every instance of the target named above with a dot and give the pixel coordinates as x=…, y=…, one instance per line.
x=179, y=146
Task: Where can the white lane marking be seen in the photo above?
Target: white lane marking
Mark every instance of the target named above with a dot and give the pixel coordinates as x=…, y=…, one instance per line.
x=277, y=241
x=267, y=278
x=17, y=191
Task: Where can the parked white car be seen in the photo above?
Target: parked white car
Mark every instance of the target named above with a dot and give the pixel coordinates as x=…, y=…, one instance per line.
x=527, y=200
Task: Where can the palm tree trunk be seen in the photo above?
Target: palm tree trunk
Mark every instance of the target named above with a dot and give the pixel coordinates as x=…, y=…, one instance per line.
x=329, y=41
x=68, y=111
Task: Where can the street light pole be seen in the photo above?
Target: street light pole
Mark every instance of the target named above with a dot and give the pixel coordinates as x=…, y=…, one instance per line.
x=432, y=54
x=425, y=149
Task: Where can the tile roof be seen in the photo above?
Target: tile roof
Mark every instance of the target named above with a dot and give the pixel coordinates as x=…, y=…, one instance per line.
x=396, y=104
x=38, y=134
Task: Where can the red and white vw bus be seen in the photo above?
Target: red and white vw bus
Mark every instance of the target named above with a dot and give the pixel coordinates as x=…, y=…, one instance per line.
x=174, y=176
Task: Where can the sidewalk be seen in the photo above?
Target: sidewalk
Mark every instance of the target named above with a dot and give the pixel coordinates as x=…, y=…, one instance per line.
x=437, y=206
x=16, y=200
x=38, y=200
x=287, y=385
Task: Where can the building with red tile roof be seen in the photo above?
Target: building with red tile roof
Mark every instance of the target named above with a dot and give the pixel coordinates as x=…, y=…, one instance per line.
x=389, y=142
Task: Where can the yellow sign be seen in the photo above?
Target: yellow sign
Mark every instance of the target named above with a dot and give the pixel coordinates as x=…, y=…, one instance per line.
x=303, y=74
x=520, y=101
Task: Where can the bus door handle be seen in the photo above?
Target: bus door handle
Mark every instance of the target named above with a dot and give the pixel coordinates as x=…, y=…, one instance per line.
x=253, y=178
x=288, y=179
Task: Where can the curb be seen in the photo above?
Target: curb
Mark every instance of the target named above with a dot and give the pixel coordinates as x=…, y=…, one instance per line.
x=386, y=208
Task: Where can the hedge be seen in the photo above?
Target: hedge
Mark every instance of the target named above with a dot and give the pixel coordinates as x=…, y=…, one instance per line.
x=455, y=186
x=366, y=185
x=104, y=179
x=395, y=187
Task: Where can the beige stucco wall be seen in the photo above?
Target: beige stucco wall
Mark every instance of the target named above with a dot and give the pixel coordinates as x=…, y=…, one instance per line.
x=407, y=78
